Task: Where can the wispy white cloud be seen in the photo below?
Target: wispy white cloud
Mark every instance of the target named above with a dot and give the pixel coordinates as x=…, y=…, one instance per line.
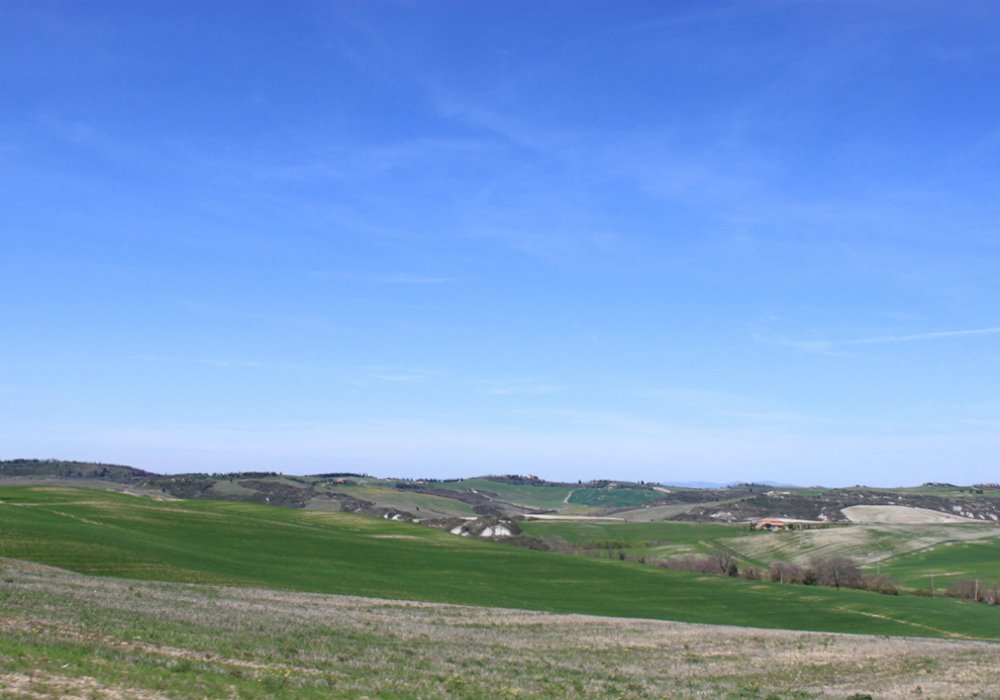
x=933, y=335
x=205, y=308
x=363, y=376
x=92, y=139
x=179, y=360
x=520, y=389
x=232, y=363
x=837, y=346
x=412, y=279
x=398, y=377
x=389, y=279
x=354, y=162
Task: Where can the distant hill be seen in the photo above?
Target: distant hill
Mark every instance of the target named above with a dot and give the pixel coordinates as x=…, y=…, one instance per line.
x=63, y=469
x=512, y=495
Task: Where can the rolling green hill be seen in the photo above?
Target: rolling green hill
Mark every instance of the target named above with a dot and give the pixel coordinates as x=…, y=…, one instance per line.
x=103, y=533
x=512, y=495
x=613, y=497
x=541, y=496
x=909, y=554
x=419, y=504
x=947, y=563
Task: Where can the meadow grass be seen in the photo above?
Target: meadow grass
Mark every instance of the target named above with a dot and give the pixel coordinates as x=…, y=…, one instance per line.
x=418, y=504
x=948, y=563
x=872, y=546
x=110, y=534
x=68, y=635
x=613, y=498
x=907, y=553
x=662, y=539
x=531, y=496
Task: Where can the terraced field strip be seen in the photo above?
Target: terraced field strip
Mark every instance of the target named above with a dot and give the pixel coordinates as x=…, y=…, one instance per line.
x=867, y=544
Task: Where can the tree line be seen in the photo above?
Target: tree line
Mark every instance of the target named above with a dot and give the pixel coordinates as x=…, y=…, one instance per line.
x=837, y=572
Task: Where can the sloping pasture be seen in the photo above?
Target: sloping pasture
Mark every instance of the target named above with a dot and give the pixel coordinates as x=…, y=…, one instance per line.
x=110, y=534
x=68, y=635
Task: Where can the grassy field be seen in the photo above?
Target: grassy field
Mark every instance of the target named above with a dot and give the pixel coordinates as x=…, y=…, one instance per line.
x=419, y=504
x=874, y=546
x=662, y=539
x=948, y=563
x=907, y=553
x=655, y=513
x=538, y=496
x=67, y=635
x=112, y=534
x=940, y=490
x=613, y=498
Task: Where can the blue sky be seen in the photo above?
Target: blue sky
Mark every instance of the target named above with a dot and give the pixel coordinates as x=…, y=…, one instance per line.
x=670, y=241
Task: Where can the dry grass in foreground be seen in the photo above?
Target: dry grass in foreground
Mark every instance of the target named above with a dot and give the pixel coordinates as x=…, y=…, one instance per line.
x=70, y=636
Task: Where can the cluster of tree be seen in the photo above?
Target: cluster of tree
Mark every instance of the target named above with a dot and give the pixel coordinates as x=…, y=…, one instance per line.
x=518, y=479
x=417, y=482
x=838, y=572
x=71, y=470
x=602, y=544
x=719, y=562
x=971, y=590
x=537, y=543
x=489, y=509
x=182, y=485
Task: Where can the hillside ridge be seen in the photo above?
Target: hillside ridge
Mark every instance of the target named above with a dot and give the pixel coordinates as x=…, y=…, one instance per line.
x=517, y=496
